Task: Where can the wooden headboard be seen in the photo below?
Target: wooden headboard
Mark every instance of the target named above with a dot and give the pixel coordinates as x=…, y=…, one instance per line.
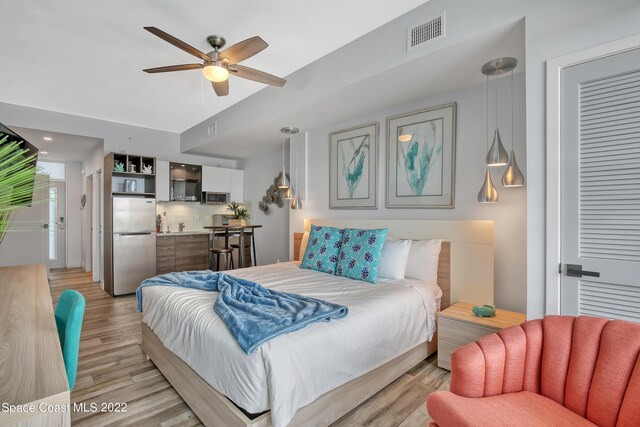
x=465, y=268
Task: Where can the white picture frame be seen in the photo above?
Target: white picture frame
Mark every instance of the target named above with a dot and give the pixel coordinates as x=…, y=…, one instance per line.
x=353, y=168
x=421, y=158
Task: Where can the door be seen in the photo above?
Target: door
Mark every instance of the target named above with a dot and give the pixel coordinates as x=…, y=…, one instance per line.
x=99, y=215
x=57, y=224
x=88, y=207
x=600, y=187
x=27, y=239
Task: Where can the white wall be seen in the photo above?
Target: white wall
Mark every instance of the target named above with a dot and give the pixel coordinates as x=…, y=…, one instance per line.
x=74, y=180
x=272, y=241
x=117, y=137
x=508, y=214
x=90, y=166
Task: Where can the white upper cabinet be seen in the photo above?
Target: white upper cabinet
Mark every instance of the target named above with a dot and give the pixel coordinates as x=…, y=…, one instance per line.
x=237, y=185
x=162, y=181
x=216, y=179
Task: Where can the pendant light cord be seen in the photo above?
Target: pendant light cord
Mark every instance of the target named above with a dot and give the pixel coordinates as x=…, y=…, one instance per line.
x=487, y=110
x=512, y=133
x=496, y=83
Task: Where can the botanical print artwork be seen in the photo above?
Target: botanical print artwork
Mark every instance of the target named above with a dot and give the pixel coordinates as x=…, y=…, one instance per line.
x=353, y=154
x=421, y=158
x=353, y=168
x=419, y=153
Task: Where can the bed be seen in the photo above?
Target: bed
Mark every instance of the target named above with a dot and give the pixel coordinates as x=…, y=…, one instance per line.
x=309, y=377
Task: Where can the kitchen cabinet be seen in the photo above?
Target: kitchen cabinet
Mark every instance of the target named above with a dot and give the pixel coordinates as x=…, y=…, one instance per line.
x=216, y=179
x=181, y=253
x=162, y=181
x=237, y=185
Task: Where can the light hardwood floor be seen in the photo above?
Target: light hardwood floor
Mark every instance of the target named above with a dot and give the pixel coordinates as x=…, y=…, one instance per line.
x=113, y=368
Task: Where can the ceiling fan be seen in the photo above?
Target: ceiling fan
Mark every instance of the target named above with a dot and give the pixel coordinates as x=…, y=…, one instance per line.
x=217, y=64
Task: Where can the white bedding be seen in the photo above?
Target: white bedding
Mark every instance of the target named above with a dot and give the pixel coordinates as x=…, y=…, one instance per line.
x=292, y=370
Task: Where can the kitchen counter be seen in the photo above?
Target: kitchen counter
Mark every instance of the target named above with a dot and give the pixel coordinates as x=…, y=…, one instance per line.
x=183, y=233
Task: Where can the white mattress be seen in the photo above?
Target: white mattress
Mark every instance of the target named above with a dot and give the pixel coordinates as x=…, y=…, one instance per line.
x=292, y=370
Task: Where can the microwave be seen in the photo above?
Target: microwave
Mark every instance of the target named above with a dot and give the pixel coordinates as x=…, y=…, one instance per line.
x=214, y=198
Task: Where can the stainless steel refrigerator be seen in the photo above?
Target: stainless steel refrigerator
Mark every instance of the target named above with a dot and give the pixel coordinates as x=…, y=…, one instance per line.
x=134, y=242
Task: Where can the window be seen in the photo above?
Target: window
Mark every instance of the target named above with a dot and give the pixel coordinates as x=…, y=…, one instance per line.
x=54, y=170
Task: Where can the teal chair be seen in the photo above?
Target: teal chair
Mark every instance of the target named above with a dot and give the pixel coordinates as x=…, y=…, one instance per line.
x=69, y=314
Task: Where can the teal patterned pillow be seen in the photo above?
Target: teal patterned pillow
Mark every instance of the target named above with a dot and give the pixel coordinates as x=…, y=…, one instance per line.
x=323, y=249
x=361, y=253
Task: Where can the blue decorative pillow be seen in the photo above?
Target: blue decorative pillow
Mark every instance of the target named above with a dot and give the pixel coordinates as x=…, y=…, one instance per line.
x=323, y=249
x=361, y=253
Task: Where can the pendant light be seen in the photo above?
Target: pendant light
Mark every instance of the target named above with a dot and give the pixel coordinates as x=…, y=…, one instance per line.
x=289, y=193
x=283, y=182
x=487, y=193
x=497, y=155
x=513, y=176
x=296, y=203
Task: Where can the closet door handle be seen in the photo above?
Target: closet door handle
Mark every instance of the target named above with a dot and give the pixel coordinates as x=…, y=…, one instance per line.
x=575, y=270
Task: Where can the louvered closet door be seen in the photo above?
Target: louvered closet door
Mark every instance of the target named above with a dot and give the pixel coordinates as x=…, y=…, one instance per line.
x=600, y=195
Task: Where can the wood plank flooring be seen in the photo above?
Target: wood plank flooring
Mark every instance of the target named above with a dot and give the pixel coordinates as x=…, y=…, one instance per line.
x=113, y=368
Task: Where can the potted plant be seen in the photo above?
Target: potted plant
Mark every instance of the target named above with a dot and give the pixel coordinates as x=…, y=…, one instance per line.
x=17, y=176
x=240, y=213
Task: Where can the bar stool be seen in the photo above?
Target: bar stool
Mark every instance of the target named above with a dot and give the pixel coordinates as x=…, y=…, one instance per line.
x=249, y=244
x=227, y=252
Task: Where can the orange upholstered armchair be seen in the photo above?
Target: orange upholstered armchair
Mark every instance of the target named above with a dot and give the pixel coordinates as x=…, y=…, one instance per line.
x=559, y=371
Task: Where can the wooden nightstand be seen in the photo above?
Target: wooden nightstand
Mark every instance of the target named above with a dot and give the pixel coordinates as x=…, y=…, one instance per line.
x=458, y=326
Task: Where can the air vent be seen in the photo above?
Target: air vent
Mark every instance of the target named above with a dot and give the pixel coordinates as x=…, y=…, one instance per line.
x=425, y=32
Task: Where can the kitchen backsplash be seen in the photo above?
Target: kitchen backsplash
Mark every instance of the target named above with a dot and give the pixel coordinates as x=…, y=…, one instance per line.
x=194, y=215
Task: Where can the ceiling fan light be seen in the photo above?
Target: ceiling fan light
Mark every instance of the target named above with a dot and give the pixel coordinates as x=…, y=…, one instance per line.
x=215, y=72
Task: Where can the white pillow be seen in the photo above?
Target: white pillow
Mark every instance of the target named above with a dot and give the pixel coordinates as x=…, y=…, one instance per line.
x=303, y=245
x=423, y=260
x=393, y=261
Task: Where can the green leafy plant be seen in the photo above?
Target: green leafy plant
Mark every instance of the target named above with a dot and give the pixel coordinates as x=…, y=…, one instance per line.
x=238, y=211
x=17, y=175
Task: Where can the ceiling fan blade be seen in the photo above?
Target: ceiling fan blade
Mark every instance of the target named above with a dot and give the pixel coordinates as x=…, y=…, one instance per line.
x=169, y=68
x=178, y=43
x=221, y=88
x=243, y=50
x=256, y=75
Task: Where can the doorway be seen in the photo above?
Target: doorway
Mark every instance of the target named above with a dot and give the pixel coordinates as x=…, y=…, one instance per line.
x=98, y=261
x=58, y=224
x=599, y=191
x=87, y=205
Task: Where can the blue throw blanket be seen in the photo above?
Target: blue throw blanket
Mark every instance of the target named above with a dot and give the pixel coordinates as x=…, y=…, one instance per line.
x=253, y=314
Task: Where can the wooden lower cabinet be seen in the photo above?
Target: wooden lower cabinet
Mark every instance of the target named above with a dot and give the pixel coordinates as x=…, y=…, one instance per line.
x=182, y=253
x=458, y=326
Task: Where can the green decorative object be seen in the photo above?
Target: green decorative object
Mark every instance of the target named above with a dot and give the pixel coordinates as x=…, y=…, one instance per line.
x=118, y=166
x=484, y=310
x=17, y=176
x=238, y=211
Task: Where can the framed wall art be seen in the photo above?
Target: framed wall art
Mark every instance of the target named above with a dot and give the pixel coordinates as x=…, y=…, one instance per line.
x=353, y=168
x=421, y=158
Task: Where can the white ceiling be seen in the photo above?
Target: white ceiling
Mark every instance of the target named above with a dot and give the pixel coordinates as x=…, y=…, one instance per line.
x=62, y=147
x=443, y=71
x=86, y=57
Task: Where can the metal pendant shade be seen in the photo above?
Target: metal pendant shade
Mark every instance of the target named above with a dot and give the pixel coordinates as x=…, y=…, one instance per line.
x=289, y=194
x=488, y=193
x=497, y=155
x=513, y=176
x=296, y=203
x=284, y=183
